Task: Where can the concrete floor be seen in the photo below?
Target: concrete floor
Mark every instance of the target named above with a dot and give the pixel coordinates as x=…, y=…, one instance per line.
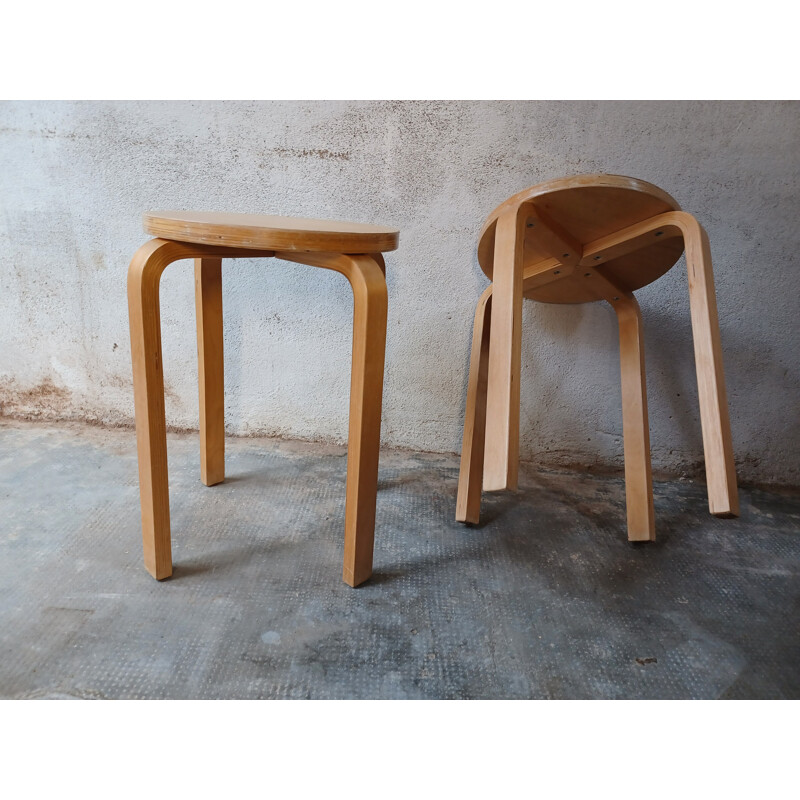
x=546, y=599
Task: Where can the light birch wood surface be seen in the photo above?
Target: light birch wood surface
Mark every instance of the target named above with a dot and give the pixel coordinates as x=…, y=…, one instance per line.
x=363, y=267
x=576, y=240
x=211, y=375
x=270, y=232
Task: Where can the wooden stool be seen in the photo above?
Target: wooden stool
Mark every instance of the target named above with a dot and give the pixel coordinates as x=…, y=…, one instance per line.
x=578, y=240
x=347, y=247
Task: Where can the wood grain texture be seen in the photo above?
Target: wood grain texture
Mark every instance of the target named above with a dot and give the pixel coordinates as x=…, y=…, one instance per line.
x=723, y=494
x=569, y=213
x=144, y=277
x=501, y=454
x=635, y=426
x=270, y=232
x=370, y=302
x=366, y=274
x=210, y=368
x=616, y=238
x=470, y=476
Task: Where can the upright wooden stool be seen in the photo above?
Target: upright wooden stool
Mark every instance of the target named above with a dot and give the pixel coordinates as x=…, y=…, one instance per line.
x=578, y=240
x=347, y=247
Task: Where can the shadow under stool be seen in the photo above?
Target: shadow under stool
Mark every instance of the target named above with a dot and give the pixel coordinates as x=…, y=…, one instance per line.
x=579, y=240
x=351, y=248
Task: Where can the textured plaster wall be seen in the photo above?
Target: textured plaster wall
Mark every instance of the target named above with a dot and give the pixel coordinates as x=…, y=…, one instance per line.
x=76, y=177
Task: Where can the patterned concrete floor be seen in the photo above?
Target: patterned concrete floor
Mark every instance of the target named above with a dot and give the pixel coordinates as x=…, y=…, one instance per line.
x=545, y=599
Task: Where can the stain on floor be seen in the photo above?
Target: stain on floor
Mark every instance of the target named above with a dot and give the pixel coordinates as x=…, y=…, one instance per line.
x=544, y=599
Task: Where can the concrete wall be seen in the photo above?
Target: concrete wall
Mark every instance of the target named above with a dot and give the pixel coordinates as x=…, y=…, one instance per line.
x=76, y=177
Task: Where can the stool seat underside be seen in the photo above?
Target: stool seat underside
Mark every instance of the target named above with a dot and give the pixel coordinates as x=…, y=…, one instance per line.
x=575, y=213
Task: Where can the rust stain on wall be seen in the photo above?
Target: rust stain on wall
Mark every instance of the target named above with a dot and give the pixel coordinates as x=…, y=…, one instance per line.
x=43, y=400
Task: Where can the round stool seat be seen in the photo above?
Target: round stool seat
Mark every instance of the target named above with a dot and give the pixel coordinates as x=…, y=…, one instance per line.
x=266, y=232
x=583, y=209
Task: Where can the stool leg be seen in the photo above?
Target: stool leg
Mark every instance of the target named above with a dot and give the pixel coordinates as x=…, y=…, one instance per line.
x=208, y=303
x=501, y=467
x=144, y=276
x=723, y=497
x=470, y=477
x=635, y=428
x=366, y=393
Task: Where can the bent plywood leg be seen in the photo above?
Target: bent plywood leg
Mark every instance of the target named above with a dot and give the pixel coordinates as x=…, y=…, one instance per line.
x=367, y=279
x=501, y=465
x=723, y=497
x=366, y=396
x=148, y=390
x=208, y=303
x=470, y=477
x=635, y=428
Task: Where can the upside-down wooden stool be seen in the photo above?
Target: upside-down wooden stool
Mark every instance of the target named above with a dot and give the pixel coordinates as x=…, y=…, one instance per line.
x=579, y=240
x=351, y=248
